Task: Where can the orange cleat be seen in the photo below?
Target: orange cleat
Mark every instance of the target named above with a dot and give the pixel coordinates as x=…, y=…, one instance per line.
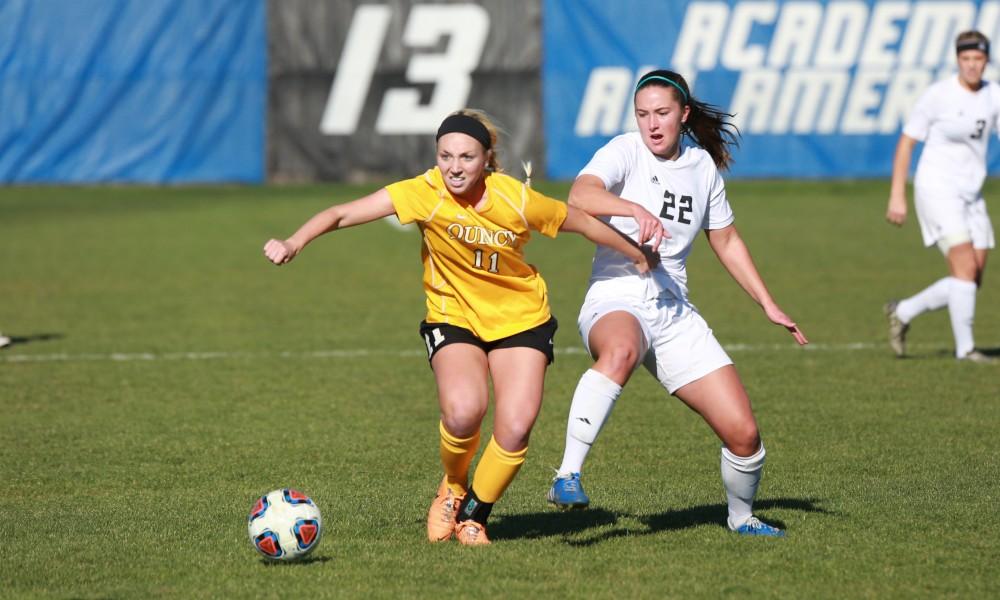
x=441, y=517
x=471, y=533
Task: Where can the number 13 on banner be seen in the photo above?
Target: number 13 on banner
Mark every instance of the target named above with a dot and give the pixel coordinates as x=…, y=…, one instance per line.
x=464, y=25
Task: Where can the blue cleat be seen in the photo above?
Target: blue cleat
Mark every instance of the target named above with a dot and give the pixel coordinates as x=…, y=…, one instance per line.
x=754, y=526
x=567, y=493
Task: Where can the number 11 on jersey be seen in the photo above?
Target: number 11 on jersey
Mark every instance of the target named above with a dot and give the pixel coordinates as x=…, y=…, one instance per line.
x=494, y=260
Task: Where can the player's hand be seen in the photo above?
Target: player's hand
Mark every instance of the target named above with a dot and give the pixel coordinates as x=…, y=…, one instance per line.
x=896, y=213
x=778, y=317
x=648, y=261
x=279, y=252
x=650, y=228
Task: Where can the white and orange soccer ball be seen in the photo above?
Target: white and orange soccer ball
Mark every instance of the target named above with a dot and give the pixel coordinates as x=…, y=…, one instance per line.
x=284, y=525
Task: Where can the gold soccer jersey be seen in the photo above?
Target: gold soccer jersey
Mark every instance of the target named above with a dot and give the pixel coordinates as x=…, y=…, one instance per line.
x=475, y=274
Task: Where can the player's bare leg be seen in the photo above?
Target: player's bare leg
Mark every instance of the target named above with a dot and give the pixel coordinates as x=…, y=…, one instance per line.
x=518, y=376
x=964, y=262
x=618, y=344
x=461, y=372
x=722, y=401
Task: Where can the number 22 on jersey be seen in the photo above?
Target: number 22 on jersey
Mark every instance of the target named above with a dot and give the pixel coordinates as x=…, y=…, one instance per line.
x=676, y=211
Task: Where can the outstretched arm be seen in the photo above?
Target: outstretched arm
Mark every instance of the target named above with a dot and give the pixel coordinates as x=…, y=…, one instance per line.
x=364, y=210
x=588, y=194
x=896, y=212
x=601, y=233
x=735, y=257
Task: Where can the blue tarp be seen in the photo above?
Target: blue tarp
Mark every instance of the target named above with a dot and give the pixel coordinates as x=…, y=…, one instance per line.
x=152, y=91
x=820, y=89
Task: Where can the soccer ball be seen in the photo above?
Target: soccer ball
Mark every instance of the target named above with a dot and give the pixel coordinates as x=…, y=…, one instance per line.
x=284, y=525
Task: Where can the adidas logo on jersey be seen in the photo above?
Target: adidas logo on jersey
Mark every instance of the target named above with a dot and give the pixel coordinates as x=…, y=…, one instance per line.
x=654, y=180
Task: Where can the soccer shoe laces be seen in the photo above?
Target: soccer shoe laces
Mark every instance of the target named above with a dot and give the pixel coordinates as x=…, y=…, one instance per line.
x=471, y=533
x=755, y=526
x=571, y=484
x=449, y=505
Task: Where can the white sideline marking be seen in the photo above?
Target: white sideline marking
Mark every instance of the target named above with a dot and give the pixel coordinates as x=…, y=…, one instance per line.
x=7, y=357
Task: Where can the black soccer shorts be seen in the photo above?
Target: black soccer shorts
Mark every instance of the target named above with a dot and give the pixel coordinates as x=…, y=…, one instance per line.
x=541, y=338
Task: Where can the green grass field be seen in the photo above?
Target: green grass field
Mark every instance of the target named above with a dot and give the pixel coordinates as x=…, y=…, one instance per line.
x=164, y=374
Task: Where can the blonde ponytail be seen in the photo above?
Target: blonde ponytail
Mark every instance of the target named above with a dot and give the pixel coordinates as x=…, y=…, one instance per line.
x=527, y=172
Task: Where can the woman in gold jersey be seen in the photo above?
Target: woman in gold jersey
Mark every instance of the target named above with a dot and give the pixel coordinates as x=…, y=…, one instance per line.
x=487, y=308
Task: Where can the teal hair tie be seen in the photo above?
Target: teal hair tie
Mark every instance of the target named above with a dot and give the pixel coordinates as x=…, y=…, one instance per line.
x=662, y=78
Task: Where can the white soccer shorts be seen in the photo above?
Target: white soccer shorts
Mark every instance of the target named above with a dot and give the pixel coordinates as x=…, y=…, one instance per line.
x=679, y=346
x=946, y=219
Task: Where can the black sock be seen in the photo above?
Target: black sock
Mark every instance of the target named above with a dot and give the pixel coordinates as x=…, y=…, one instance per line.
x=475, y=509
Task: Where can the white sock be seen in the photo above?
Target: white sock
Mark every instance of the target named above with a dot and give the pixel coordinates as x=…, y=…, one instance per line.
x=740, y=476
x=962, y=309
x=933, y=297
x=593, y=400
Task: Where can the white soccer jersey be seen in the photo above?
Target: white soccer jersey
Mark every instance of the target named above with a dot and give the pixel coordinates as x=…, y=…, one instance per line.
x=954, y=124
x=688, y=195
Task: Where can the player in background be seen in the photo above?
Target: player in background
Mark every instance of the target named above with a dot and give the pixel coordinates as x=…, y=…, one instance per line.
x=487, y=309
x=953, y=118
x=644, y=183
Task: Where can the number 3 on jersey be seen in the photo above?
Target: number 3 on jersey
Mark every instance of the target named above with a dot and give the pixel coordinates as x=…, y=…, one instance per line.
x=980, y=127
x=670, y=203
x=494, y=260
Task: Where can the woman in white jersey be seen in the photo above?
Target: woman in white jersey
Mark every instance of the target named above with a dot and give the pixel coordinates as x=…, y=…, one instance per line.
x=654, y=188
x=953, y=119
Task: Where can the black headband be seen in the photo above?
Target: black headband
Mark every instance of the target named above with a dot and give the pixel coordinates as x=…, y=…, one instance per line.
x=470, y=126
x=973, y=45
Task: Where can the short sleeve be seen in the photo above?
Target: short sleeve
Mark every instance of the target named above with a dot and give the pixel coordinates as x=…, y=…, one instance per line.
x=995, y=95
x=409, y=199
x=919, y=123
x=612, y=163
x=718, y=213
x=543, y=214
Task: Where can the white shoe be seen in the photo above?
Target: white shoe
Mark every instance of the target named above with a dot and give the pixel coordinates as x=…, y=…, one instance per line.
x=897, y=329
x=978, y=357
x=4, y=340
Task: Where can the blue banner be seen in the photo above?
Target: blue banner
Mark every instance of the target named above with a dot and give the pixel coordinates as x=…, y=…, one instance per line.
x=819, y=89
x=152, y=91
